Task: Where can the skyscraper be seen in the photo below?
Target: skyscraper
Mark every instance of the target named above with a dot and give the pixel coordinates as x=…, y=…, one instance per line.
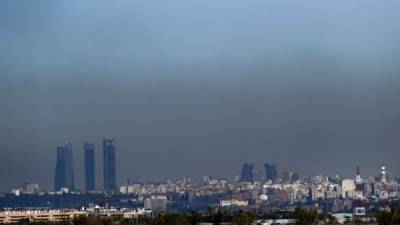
x=358, y=175
x=294, y=177
x=64, y=177
x=285, y=176
x=271, y=173
x=383, y=174
x=89, y=167
x=247, y=172
x=109, y=165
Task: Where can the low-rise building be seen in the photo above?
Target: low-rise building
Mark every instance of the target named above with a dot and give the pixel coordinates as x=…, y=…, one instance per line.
x=233, y=202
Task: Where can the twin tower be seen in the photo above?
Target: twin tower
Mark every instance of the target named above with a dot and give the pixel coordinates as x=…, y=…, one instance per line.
x=64, y=177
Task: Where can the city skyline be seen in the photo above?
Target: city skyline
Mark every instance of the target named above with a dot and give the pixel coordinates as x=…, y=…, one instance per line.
x=347, y=199
x=248, y=171
x=79, y=156
x=190, y=88
x=228, y=112
x=65, y=182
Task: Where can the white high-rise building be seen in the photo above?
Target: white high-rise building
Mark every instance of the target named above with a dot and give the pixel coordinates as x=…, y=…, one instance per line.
x=383, y=174
x=348, y=188
x=30, y=188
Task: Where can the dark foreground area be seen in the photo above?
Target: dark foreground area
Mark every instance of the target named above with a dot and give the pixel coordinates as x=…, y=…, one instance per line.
x=298, y=217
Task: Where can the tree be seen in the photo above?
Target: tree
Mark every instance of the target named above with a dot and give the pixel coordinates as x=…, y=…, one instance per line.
x=331, y=219
x=357, y=221
x=172, y=219
x=84, y=220
x=384, y=218
x=195, y=218
x=243, y=218
x=272, y=215
x=305, y=217
x=396, y=218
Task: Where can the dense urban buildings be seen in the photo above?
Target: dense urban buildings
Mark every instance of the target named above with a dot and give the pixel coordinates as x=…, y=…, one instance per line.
x=67, y=215
x=89, y=151
x=64, y=176
x=200, y=112
x=157, y=204
x=109, y=163
x=358, y=197
x=342, y=198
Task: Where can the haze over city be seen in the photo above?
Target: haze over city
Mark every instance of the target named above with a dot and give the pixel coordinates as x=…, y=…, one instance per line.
x=193, y=88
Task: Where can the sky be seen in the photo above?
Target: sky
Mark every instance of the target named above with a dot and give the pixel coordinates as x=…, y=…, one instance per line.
x=192, y=88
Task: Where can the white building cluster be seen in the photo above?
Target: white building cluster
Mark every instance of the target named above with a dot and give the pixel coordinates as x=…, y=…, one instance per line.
x=14, y=216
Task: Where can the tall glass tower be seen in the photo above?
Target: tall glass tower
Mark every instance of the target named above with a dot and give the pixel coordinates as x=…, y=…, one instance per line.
x=89, y=167
x=271, y=172
x=110, y=183
x=247, y=172
x=64, y=177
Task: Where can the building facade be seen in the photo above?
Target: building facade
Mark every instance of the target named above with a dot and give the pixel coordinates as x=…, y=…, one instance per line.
x=29, y=188
x=271, y=173
x=64, y=177
x=247, y=172
x=90, y=180
x=109, y=165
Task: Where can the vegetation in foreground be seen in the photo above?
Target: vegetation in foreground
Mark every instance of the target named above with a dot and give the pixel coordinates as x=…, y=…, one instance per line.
x=301, y=216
